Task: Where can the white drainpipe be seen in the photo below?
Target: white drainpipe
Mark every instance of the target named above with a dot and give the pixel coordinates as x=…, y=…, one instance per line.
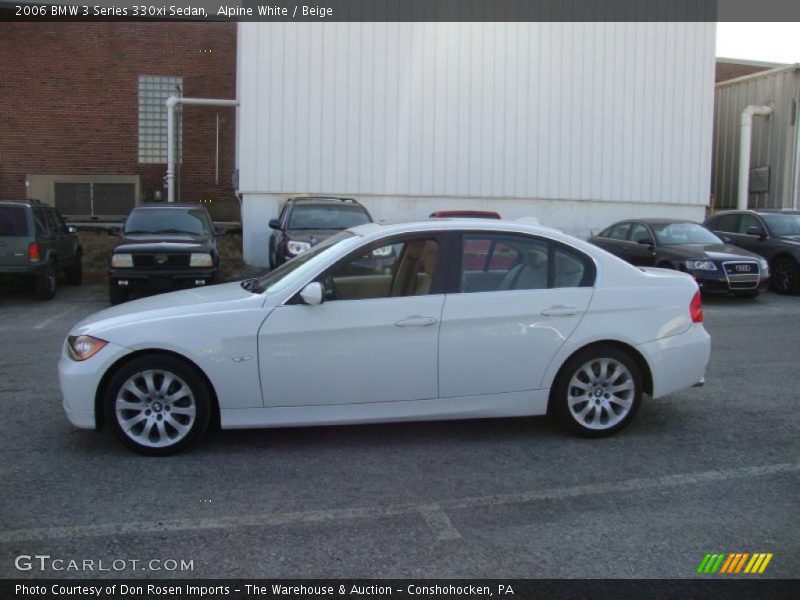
x=745, y=140
x=173, y=102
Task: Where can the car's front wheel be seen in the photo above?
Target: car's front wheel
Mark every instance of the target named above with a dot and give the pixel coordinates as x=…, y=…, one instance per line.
x=785, y=276
x=598, y=391
x=158, y=404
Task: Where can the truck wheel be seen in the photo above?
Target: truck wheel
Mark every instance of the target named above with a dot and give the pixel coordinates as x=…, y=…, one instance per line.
x=116, y=294
x=46, y=283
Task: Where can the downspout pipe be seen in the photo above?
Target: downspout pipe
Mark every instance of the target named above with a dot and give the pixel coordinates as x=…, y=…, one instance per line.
x=172, y=103
x=745, y=141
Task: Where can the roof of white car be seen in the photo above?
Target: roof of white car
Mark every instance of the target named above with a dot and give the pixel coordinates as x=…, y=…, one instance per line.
x=457, y=224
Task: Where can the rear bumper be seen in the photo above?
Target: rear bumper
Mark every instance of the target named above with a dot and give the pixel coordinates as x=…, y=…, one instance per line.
x=29, y=270
x=678, y=362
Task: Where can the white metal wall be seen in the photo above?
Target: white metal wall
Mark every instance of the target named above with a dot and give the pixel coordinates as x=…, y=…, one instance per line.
x=614, y=112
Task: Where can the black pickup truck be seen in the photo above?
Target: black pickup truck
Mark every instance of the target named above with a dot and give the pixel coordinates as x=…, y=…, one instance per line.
x=163, y=247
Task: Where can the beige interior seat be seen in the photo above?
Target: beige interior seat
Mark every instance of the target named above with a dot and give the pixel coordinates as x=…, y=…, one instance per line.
x=531, y=274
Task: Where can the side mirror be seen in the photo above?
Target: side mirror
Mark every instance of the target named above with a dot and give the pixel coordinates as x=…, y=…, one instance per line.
x=115, y=231
x=726, y=239
x=220, y=230
x=312, y=294
x=756, y=231
x=274, y=224
x=72, y=229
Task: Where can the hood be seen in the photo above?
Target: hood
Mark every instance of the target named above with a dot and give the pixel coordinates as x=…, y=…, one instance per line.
x=710, y=251
x=161, y=243
x=312, y=236
x=201, y=300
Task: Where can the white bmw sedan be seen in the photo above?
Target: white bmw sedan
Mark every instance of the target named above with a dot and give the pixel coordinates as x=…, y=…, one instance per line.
x=444, y=319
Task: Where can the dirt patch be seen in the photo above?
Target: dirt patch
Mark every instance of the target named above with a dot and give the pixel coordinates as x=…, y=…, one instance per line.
x=97, y=246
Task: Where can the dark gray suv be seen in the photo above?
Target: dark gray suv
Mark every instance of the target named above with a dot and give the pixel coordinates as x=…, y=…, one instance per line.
x=774, y=234
x=35, y=244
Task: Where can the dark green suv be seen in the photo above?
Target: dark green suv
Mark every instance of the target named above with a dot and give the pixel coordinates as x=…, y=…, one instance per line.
x=35, y=243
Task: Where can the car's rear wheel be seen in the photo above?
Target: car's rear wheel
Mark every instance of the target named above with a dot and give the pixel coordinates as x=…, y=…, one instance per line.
x=598, y=391
x=785, y=276
x=158, y=404
x=45, y=284
x=116, y=294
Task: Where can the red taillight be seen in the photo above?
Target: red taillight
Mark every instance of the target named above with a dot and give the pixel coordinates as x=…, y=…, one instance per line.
x=33, y=252
x=696, y=308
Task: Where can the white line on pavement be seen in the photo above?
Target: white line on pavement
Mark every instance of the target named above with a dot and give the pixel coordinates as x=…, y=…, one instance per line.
x=431, y=512
x=439, y=522
x=48, y=320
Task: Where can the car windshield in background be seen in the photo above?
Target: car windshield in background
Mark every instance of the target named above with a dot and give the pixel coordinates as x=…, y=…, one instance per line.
x=269, y=280
x=13, y=221
x=782, y=224
x=674, y=234
x=327, y=217
x=168, y=220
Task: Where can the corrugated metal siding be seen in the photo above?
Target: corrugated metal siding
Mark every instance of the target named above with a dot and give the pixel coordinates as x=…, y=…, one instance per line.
x=774, y=141
x=595, y=111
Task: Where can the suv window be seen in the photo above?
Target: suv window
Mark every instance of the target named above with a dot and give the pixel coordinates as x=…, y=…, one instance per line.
x=401, y=267
x=192, y=221
x=619, y=231
x=327, y=216
x=53, y=223
x=640, y=232
x=748, y=221
x=502, y=262
x=729, y=223
x=40, y=221
x=13, y=221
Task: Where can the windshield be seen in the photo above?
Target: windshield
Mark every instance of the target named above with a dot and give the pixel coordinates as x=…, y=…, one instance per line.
x=13, y=221
x=168, y=220
x=322, y=216
x=782, y=224
x=278, y=278
x=673, y=234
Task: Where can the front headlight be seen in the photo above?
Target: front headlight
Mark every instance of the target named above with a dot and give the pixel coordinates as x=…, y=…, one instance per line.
x=701, y=265
x=764, y=265
x=81, y=347
x=121, y=260
x=297, y=247
x=201, y=259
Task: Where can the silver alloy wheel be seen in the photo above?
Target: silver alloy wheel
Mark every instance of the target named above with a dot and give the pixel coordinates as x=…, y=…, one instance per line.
x=155, y=408
x=601, y=393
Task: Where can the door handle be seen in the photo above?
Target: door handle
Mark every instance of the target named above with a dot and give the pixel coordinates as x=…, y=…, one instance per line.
x=559, y=311
x=416, y=322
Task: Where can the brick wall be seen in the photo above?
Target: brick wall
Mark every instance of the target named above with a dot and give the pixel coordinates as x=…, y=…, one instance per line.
x=69, y=102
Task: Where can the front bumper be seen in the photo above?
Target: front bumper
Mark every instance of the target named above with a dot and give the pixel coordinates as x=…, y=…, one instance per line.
x=717, y=282
x=79, y=381
x=678, y=362
x=167, y=279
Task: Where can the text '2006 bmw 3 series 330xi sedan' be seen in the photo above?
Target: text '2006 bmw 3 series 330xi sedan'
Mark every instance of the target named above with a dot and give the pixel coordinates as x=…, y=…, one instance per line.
x=394, y=323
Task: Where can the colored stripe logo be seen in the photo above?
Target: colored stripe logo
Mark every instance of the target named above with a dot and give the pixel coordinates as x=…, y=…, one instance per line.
x=735, y=563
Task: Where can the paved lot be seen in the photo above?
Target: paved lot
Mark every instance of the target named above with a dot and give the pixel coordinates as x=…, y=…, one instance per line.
x=715, y=469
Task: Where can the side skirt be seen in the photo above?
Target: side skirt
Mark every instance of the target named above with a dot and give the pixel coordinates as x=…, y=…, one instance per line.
x=510, y=404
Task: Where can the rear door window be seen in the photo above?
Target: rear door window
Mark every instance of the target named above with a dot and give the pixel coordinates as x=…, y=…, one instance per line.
x=40, y=221
x=13, y=221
